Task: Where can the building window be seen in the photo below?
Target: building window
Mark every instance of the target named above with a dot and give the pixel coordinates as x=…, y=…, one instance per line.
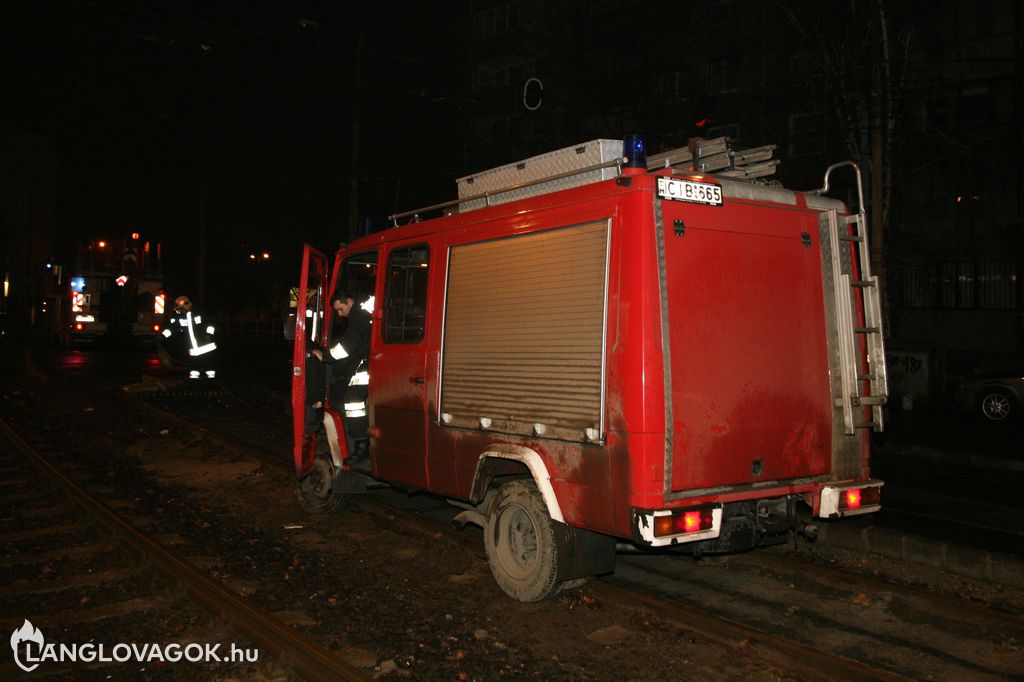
x=806, y=134
x=956, y=285
x=916, y=284
x=975, y=106
x=672, y=85
x=730, y=130
x=722, y=77
x=961, y=285
x=496, y=21
x=998, y=285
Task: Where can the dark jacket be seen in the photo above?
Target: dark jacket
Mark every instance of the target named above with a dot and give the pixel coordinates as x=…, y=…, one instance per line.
x=355, y=341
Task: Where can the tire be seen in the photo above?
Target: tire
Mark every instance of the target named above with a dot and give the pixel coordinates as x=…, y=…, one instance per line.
x=319, y=492
x=996, y=405
x=521, y=543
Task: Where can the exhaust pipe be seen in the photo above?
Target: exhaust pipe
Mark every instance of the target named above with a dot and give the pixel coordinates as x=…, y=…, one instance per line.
x=468, y=516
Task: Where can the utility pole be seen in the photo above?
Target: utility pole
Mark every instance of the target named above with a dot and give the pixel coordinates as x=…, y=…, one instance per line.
x=201, y=265
x=204, y=144
x=353, y=196
x=877, y=171
x=881, y=119
x=881, y=122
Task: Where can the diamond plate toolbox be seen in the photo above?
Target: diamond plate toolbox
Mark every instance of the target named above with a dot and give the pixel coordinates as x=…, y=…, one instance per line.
x=537, y=167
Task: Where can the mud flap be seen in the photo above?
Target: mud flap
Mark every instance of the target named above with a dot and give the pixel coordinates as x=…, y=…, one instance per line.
x=352, y=482
x=584, y=553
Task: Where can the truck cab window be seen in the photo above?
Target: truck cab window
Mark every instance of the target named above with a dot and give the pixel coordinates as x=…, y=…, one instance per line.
x=359, y=275
x=406, y=297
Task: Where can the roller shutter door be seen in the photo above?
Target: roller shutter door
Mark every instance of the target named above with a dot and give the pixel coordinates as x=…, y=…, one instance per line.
x=524, y=334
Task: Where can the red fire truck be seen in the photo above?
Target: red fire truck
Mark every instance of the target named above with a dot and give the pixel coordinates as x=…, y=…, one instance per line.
x=593, y=345
x=116, y=291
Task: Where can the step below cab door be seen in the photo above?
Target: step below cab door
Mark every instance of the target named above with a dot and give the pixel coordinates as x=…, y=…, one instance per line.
x=311, y=300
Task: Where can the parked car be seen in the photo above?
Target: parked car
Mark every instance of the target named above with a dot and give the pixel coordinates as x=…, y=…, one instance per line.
x=997, y=395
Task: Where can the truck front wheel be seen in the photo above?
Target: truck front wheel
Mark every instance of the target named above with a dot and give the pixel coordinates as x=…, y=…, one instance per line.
x=320, y=492
x=521, y=543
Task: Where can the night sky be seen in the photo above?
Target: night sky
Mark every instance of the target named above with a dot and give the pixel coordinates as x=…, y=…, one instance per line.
x=151, y=102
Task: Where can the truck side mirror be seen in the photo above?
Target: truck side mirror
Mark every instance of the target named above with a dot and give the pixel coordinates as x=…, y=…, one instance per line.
x=289, y=327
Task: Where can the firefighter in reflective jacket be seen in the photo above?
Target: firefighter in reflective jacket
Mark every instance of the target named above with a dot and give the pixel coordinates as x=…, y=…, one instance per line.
x=347, y=359
x=190, y=340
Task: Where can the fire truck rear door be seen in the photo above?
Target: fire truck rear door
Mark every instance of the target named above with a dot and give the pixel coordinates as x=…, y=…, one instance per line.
x=398, y=363
x=749, y=377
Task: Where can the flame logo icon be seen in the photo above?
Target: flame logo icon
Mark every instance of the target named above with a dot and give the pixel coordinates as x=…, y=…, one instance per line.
x=26, y=633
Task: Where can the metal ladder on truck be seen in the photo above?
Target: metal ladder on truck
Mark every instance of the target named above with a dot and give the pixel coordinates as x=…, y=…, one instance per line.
x=858, y=314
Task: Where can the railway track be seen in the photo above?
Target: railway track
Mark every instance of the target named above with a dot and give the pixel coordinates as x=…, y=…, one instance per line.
x=111, y=549
x=805, y=659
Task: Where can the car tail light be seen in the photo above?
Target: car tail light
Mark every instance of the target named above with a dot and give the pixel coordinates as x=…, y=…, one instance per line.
x=683, y=521
x=156, y=327
x=79, y=326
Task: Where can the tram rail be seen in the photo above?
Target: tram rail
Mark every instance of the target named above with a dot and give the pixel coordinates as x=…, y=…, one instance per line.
x=306, y=657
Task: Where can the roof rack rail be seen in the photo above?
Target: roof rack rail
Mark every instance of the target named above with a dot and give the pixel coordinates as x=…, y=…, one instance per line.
x=618, y=162
x=715, y=156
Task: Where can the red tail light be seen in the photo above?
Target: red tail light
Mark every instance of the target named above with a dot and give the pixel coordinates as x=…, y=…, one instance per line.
x=156, y=327
x=683, y=521
x=857, y=498
x=78, y=326
x=691, y=521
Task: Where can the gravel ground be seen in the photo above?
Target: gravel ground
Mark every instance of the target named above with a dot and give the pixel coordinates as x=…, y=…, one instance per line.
x=391, y=600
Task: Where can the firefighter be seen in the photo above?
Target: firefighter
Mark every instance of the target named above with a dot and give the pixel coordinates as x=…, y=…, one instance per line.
x=347, y=359
x=190, y=340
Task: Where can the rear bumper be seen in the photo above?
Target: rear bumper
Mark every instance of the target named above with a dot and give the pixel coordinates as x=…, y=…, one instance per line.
x=830, y=499
x=89, y=330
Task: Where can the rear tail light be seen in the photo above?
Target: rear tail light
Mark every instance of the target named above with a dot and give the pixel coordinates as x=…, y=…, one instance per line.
x=79, y=326
x=855, y=498
x=852, y=499
x=683, y=521
x=156, y=327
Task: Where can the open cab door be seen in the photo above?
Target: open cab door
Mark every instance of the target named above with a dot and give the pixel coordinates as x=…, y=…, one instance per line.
x=312, y=298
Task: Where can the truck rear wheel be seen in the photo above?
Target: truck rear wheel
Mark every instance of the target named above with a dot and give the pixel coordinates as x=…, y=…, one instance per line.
x=320, y=492
x=522, y=546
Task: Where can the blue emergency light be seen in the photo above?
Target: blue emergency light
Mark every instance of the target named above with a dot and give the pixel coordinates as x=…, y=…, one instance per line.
x=635, y=150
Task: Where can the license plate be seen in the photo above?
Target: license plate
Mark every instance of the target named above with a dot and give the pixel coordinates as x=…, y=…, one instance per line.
x=693, y=192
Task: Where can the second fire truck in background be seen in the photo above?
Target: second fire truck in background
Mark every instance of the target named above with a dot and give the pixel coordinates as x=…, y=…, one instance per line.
x=115, y=291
